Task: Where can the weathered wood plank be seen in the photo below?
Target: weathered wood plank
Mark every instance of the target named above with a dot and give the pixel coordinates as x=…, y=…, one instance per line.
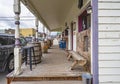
x=10, y=79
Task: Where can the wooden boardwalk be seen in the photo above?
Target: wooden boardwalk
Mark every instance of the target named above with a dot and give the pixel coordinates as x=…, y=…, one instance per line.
x=54, y=66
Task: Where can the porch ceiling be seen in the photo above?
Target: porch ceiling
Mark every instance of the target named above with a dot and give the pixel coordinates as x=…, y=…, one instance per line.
x=52, y=13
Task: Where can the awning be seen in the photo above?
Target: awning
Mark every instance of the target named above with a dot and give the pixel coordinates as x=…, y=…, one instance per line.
x=52, y=13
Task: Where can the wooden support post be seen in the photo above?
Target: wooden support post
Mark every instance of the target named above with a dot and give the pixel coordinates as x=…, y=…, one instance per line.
x=17, y=57
x=36, y=24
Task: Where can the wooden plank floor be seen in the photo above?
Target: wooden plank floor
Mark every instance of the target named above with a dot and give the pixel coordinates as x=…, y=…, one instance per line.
x=54, y=66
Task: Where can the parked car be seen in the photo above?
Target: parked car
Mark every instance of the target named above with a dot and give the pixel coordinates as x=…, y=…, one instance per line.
x=28, y=39
x=7, y=44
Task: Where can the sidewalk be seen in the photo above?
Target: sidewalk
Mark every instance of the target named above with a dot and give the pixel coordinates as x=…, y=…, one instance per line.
x=54, y=64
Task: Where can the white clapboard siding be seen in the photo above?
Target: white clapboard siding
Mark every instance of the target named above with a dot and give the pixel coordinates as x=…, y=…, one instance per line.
x=109, y=35
x=109, y=27
x=109, y=71
x=110, y=83
x=109, y=5
x=109, y=13
x=109, y=0
x=109, y=41
x=110, y=20
x=110, y=78
x=108, y=64
x=109, y=56
x=110, y=49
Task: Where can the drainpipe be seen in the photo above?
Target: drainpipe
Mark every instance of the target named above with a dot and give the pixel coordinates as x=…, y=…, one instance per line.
x=36, y=24
x=17, y=56
x=94, y=41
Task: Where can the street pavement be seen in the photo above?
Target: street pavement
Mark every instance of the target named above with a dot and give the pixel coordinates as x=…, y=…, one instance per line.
x=3, y=77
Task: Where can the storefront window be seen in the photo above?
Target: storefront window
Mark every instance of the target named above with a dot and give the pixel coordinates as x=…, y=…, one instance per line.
x=84, y=21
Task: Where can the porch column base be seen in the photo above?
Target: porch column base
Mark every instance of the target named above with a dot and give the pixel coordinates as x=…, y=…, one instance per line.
x=17, y=61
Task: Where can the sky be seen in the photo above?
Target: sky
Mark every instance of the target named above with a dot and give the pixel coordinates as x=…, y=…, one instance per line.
x=27, y=19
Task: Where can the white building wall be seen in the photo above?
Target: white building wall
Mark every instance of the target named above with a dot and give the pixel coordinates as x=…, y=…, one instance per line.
x=109, y=41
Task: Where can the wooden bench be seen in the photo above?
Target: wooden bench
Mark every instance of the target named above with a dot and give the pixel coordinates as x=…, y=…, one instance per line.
x=78, y=59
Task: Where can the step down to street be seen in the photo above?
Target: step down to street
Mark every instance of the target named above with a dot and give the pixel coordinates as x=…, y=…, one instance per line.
x=60, y=78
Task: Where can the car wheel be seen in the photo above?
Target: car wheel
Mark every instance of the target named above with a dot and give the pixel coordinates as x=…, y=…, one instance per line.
x=10, y=65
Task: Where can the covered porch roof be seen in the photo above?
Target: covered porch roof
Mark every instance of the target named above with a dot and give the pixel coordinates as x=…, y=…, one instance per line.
x=52, y=13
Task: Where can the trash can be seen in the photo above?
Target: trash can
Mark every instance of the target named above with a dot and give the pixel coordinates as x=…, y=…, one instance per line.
x=62, y=44
x=86, y=78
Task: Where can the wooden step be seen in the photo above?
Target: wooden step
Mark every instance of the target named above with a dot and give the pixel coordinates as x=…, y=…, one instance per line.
x=61, y=78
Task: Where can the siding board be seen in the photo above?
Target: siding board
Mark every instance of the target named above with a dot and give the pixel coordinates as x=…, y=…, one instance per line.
x=110, y=83
x=109, y=57
x=110, y=27
x=109, y=6
x=109, y=71
x=108, y=64
x=109, y=20
x=110, y=79
x=109, y=35
x=109, y=49
x=109, y=13
x=107, y=42
x=109, y=0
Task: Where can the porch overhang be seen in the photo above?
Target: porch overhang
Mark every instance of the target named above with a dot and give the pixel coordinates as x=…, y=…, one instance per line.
x=52, y=13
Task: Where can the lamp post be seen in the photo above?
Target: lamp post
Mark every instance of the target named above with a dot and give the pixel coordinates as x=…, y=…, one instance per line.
x=17, y=56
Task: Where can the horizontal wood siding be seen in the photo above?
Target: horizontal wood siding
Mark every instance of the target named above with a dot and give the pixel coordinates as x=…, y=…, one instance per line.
x=109, y=35
x=109, y=57
x=109, y=41
x=109, y=71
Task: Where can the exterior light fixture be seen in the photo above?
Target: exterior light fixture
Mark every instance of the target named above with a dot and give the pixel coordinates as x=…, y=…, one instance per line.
x=89, y=9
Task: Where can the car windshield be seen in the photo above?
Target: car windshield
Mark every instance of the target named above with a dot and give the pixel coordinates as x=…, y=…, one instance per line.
x=6, y=40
